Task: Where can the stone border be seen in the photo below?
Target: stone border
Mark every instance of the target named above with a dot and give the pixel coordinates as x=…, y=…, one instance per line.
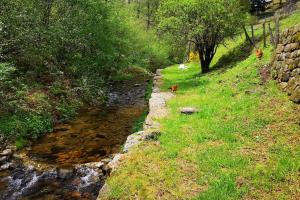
x=286, y=63
x=157, y=110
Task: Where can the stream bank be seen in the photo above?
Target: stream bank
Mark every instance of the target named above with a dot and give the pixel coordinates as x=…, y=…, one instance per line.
x=151, y=130
x=72, y=161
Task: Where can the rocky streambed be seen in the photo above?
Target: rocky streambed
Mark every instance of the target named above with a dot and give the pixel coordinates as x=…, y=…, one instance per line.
x=74, y=160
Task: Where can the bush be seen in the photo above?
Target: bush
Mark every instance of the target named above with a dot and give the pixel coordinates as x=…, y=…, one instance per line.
x=25, y=125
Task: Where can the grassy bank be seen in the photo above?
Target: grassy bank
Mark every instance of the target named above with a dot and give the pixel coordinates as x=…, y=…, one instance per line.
x=138, y=125
x=243, y=144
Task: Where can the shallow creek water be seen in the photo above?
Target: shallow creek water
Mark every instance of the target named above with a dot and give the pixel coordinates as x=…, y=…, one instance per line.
x=54, y=167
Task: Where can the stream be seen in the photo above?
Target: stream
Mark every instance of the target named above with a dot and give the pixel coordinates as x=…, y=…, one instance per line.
x=70, y=162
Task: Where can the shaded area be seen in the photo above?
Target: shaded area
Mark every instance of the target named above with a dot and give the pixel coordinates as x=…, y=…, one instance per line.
x=233, y=57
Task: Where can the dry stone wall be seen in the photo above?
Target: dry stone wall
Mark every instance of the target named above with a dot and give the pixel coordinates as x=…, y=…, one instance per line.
x=286, y=65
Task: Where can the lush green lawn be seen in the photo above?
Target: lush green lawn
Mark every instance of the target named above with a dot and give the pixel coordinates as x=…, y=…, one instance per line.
x=243, y=144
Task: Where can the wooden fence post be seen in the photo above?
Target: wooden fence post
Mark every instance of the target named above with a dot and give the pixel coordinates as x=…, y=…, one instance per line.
x=264, y=34
x=248, y=37
x=277, y=31
x=252, y=33
x=271, y=35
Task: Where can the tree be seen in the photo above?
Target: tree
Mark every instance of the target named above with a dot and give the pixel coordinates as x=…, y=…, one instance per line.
x=205, y=23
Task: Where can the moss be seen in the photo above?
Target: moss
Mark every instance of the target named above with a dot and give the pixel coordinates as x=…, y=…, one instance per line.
x=297, y=37
x=21, y=142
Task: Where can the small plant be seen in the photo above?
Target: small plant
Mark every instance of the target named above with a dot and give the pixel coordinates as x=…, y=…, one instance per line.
x=20, y=143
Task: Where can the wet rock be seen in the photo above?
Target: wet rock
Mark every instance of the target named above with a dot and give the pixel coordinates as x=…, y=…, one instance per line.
x=106, y=160
x=188, y=110
x=6, y=152
x=28, y=177
x=6, y=166
x=93, y=165
x=65, y=173
x=3, y=158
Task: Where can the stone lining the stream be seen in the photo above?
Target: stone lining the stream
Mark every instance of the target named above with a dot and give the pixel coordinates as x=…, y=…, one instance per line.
x=157, y=110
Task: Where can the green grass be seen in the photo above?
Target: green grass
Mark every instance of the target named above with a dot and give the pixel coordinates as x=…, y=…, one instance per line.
x=139, y=123
x=243, y=143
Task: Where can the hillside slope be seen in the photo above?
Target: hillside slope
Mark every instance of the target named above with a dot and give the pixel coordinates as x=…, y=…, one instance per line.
x=243, y=144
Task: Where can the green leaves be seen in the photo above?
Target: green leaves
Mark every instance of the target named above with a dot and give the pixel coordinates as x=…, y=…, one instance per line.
x=62, y=53
x=204, y=23
x=5, y=71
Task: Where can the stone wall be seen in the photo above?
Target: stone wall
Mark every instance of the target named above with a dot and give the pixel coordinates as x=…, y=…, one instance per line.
x=286, y=65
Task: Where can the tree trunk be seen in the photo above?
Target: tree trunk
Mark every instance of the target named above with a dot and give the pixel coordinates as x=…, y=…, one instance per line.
x=187, y=52
x=47, y=12
x=252, y=33
x=206, y=55
x=248, y=37
x=264, y=34
x=271, y=35
x=204, y=66
x=277, y=30
x=138, y=9
x=148, y=15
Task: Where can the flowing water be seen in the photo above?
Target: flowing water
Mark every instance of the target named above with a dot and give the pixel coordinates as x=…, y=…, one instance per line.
x=54, y=167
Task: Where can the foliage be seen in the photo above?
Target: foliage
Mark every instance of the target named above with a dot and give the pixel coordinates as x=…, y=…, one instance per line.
x=204, y=23
x=146, y=11
x=57, y=55
x=193, y=56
